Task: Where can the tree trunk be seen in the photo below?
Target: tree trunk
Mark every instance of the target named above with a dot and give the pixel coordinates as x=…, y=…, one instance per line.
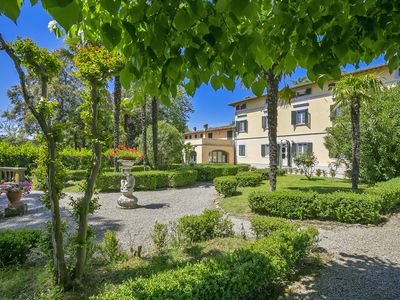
x=355, y=135
x=154, y=126
x=117, y=109
x=57, y=239
x=81, y=253
x=272, y=82
x=144, y=133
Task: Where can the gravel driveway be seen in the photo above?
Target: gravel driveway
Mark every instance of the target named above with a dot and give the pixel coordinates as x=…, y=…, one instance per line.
x=133, y=226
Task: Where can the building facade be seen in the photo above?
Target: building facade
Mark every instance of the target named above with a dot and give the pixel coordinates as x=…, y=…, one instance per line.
x=212, y=145
x=302, y=124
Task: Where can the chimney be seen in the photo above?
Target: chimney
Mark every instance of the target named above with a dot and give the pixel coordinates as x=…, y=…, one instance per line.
x=205, y=126
x=194, y=128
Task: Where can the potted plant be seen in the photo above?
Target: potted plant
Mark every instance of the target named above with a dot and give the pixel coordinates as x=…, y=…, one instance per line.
x=126, y=156
x=15, y=189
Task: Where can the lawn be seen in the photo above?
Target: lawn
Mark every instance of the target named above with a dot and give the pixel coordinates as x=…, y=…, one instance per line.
x=238, y=204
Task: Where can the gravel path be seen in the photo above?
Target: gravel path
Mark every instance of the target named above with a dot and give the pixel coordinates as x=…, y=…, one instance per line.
x=133, y=226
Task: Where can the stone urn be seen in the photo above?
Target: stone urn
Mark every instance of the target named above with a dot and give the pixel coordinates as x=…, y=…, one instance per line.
x=16, y=207
x=127, y=200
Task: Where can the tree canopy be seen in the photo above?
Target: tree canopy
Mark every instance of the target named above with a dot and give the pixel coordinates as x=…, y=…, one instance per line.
x=165, y=43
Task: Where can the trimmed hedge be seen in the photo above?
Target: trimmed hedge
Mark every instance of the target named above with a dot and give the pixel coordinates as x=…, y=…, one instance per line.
x=265, y=226
x=226, y=185
x=348, y=207
x=246, y=273
x=147, y=180
x=265, y=172
x=15, y=245
x=207, y=172
x=209, y=225
x=248, y=179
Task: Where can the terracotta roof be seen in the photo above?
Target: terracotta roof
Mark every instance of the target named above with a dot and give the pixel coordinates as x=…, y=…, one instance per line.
x=213, y=129
x=307, y=83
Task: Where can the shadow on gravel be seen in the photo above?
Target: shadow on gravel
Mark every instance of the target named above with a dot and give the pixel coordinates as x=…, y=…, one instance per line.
x=154, y=205
x=353, y=277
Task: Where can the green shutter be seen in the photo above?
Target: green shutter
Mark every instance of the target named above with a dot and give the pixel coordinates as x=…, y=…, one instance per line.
x=294, y=149
x=308, y=91
x=306, y=116
x=294, y=118
x=245, y=126
x=237, y=126
x=264, y=122
x=262, y=150
x=310, y=148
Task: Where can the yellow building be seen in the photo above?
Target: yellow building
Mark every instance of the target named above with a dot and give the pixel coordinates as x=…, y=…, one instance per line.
x=301, y=127
x=212, y=145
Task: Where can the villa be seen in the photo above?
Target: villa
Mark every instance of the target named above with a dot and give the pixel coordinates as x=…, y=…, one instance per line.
x=302, y=127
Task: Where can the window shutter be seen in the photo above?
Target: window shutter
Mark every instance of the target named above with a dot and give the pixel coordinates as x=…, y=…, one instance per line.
x=262, y=150
x=245, y=126
x=294, y=150
x=294, y=118
x=306, y=116
x=310, y=148
x=264, y=122
x=308, y=91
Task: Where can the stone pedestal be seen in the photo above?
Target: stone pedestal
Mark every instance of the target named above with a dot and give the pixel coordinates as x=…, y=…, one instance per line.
x=15, y=209
x=127, y=200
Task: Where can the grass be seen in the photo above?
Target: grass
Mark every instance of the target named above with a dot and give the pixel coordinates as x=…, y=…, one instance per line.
x=35, y=281
x=238, y=203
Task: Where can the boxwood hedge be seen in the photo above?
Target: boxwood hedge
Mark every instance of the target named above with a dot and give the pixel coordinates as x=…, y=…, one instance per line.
x=246, y=273
x=226, y=185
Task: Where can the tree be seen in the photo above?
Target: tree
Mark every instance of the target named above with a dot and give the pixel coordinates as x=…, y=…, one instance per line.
x=307, y=163
x=355, y=90
x=144, y=132
x=154, y=131
x=117, y=110
x=44, y=66
x=95, y=66
x=380, y=137
x=170, y=145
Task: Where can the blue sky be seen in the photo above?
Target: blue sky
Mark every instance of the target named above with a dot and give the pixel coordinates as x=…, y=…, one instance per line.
x=210, y=106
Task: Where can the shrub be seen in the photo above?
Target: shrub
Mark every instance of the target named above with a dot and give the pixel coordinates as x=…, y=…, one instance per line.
x=265, y=226
x=263, y=172
x=110, y=246
x=318, y=172
x=243, y=167
x=15, y=245
x=249, y=179
x=210, y=224
x=226, y=185
x=288, y=204
x=76, y=175
x=207, y=172
x=388, y=193
x=306, y=162
x=246, y=273
x=24, y=155
x=159, y=237
x=182, y=177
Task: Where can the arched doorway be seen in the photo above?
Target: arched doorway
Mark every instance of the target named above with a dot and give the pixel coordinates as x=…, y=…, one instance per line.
x=218, y=157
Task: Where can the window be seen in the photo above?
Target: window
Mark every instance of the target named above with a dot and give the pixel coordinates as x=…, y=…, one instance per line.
x=241, y=126
x=300, y=117
x=186, y=137
x=335, y=112
x=331, y=85
x=264, y=122
x=218, y=156
x=195, y=136
x=303, y=92
x=229, y=134
x=243, y=106
x=190, y=137
x=210, y=135
x=303, y=148
x=201, y=135
x=237, y=107
x=264, y=150
x=242, y=150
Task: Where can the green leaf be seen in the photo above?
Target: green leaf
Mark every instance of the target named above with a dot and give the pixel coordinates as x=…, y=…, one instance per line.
x=11, y=8
x=182, y=20
x=223, y=5
x=258, y=87
x=112, y=6
x=66, y=15
x=228, y=82
x=111, y=35
x=215, y=82
x=126, y=77
x=33, y=2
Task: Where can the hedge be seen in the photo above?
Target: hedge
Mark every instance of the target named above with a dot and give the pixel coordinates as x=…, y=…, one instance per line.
x=348, y=207
x=264, y=226
x=248, y=179
x=226, y=185
x=265, y=172
x=147, y=180
x=247, y=273
x=207, y=172
x=15, y=245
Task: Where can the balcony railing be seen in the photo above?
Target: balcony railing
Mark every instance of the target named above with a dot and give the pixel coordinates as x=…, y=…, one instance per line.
x=14, y=174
